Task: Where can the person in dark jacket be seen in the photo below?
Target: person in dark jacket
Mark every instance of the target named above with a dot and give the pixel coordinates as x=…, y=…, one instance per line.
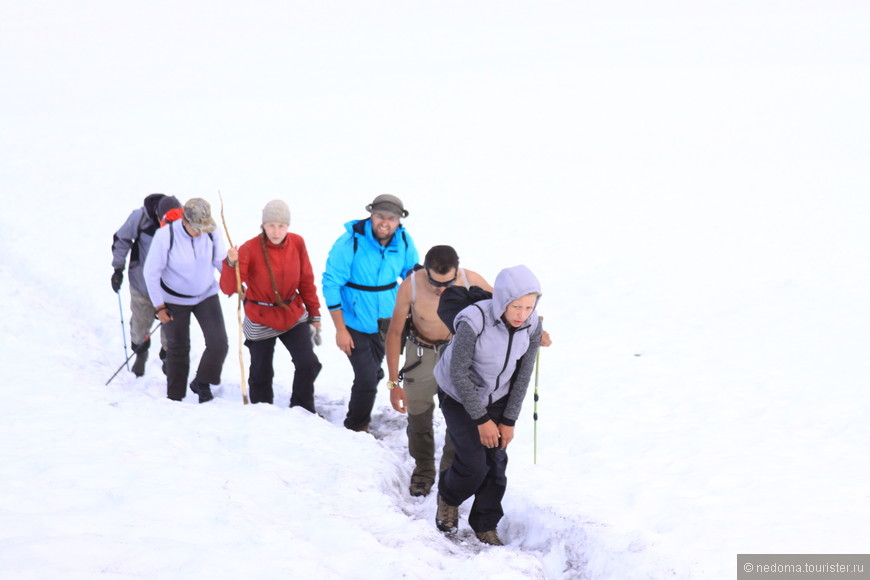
x=280, y=303
x=134, y=239
x=180, y=275
x=483, y=376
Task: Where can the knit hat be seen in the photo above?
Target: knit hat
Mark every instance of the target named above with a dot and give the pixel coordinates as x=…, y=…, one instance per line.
x=387, y=203
x=197, y=212
x=276, y=211
x=165, y=204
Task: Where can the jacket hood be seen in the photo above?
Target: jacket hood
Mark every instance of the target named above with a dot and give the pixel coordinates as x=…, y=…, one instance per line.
x=510, y=284
x=150, y=203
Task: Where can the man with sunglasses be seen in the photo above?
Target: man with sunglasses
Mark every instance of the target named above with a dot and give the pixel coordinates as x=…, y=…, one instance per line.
x=359, y=286
x=417, y=311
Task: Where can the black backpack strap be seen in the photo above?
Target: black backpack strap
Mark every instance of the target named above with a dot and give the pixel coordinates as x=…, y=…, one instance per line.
x=172, y=241
x=370, y=288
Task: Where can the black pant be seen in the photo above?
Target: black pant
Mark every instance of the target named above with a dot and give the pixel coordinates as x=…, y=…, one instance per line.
x=366, y=358
x=306, y=366
x=177, y=331
x=476, y=470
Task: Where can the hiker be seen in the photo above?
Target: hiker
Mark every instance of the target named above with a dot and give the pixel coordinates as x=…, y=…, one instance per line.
x=280, y=303
x=134, y=238
x=179, y=273
x=482, y=377
x=359, y=287
x=416, y=329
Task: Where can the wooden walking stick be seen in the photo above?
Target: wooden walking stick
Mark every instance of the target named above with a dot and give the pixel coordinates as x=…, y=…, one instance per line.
x=239, y=306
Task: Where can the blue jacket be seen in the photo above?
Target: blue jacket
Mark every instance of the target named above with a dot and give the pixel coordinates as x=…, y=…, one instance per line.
x=372, y=270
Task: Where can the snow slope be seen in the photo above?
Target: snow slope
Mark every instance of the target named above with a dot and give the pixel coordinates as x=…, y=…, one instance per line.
x=687, y=182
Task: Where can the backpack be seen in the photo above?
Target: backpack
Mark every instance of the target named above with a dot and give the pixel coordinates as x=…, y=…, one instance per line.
x=172, y=215
x=455, y=298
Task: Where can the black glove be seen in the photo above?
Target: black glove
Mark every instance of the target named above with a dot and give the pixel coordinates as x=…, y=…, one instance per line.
x=117, y=278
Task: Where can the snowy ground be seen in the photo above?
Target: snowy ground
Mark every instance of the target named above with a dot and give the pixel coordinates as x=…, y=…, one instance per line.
x=689, y=183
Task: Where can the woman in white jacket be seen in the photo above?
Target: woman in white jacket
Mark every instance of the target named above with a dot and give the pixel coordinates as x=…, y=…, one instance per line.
x=180, y=275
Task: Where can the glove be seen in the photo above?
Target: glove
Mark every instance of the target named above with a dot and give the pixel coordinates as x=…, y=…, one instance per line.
x=117, y=278
x=315, y=335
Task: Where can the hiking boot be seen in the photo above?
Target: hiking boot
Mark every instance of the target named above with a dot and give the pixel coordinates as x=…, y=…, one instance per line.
x=420, y=487
x=447, y=517
x=489, y=537
x=138, y=367
x=203, y=390
x=141, y=351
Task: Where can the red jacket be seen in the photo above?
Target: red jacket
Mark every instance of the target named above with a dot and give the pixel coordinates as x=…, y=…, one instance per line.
x=293, y=275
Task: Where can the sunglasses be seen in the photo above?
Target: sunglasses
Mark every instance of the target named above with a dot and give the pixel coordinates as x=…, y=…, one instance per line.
x=438, y=284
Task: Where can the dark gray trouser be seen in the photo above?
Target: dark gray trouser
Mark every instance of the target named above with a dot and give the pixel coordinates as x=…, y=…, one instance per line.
x=421, y=388
x=306, y=367
x=367, y=359
x=476, y=471
x=210, y=318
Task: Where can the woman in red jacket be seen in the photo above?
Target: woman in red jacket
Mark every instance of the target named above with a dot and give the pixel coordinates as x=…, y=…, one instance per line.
x=280, y=302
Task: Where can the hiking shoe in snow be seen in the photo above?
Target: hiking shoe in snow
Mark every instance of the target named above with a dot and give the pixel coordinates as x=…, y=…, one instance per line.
x=489, y=537
x=420, y=487
x=447, y=516
x=138, y=367
x=141, y=351
x=203, y=390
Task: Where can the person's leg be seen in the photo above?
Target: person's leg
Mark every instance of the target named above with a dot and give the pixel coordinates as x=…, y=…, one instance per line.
x=446, y=454
x=486, y=511
x=141, y=319
x=178, y=351
x=141, y=316
x=420, y=389
x=211, y=320
x=261, y=372
x=469, y=467
x=306, y=366
x=366, y=359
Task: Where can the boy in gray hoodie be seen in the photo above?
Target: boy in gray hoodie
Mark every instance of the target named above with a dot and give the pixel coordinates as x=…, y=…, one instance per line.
x=483, y=377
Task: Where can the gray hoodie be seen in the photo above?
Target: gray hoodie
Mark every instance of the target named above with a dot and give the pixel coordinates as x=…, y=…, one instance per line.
x=479, y=364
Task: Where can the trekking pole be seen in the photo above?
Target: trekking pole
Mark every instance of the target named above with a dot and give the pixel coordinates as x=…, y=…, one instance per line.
x=135, y=351
x=123, y=330
x=238, y=307
x=535, y=415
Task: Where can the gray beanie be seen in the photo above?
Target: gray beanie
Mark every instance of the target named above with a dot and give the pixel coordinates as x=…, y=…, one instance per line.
x=387, y=203
x=197, y=212
x=276, y=211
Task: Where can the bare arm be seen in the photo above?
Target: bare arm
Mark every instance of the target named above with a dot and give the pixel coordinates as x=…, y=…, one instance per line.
x=394, y=342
